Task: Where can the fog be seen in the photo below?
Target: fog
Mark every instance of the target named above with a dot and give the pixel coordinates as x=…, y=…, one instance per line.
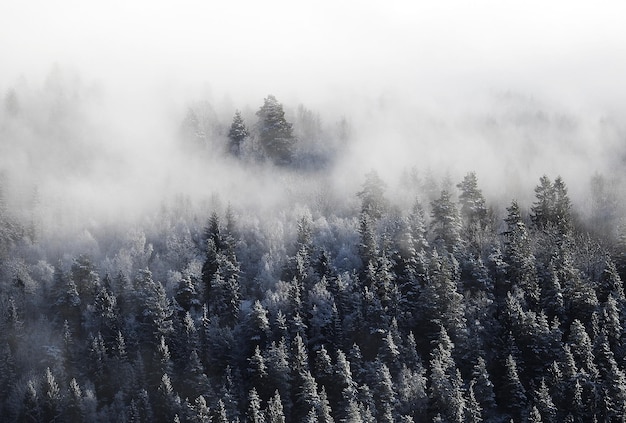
x=512, y=91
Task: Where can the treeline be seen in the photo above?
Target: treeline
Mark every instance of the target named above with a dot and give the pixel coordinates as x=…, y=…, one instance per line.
x=438, y=312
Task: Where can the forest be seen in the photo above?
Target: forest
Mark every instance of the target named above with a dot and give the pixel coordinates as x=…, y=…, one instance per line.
x=286, y=295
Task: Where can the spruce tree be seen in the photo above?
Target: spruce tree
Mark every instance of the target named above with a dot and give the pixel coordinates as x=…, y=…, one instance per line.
x=237, y=134
x=275, y=133
x=473, y=209
x=446, y=223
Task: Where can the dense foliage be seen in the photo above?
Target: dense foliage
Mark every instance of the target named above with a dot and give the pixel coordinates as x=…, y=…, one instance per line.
x=360, y=308
x=451, y=317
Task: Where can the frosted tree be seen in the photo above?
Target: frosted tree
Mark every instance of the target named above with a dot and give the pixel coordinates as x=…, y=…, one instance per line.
x=275, y=133
x=446, y=223
x=543, y=208
x=373, y=201
x=513, y=392
x=52, y=402
x=473, y=209
x=518, y=255
x=237, y=134
x=274, y=410
x=446, y=396
x=255, y=413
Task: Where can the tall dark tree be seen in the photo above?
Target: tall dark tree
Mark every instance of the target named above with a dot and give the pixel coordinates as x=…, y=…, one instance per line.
x=275, y=133
x=445, y=222
x=521, y=269
x=237, y=134
x=473, y=209
x=543, y=207
x=373, y=201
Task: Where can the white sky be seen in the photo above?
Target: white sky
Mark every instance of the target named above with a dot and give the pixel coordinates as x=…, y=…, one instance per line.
x=311, y=48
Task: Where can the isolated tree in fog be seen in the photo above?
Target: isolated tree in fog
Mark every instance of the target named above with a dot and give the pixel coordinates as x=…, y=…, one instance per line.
x=373, y=201
x=275, y=133
x=473, y=209
x=237, y=134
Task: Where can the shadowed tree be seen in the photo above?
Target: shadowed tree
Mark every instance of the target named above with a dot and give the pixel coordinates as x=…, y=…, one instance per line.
x=373, y=201
x=445, y=222
x=473, y=210
x=237, y=134
x=275, y=133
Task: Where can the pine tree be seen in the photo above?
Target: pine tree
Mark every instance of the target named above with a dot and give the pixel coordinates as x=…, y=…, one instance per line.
x=274, y=410
x=278, y=368
x=237, y=134
x=473, y=210
x=534, y=416
x=257, y=373
x=368, y=248
x=513, y=392
x=202, y=413
x=74, y=407
x=275, y=133
x=373, y=201
x=544, y=403
x=52, y=402
x=196, y=381
x=445, y=222
x=518, y=255
x=613, y=386
x=255, y=413
x=384, y=392
x=220, y=415
x=31, y=409
x=562, y=208
x=445, y=381
x=441, y=302
x=543, y=208
x=483, y=387
x=473, y=410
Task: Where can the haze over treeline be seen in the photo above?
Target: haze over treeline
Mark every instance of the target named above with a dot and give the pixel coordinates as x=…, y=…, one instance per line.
x=76, y=144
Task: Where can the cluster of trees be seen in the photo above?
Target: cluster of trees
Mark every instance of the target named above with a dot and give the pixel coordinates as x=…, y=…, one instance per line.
x=272, y=137
x=445, y=313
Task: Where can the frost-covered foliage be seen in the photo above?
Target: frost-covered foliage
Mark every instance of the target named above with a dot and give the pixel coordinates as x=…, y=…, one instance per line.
x=413, y=303
x=230, y=320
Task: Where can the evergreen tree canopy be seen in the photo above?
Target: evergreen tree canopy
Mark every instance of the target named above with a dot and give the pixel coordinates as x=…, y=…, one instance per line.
x=237, y=134
x=275, y=133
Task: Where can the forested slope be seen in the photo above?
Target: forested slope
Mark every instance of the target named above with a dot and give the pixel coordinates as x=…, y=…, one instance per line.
x=366, y=307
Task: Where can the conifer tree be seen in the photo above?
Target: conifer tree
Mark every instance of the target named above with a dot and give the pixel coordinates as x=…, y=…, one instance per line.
x=445, y=381
x=543, y=208
x=74, y=408
x=483, y=387
x=274, y=410
x=257, y=373
x=275, y=133
x=473, y=410
x=31, y=409
x=202, y=413
x=255, y=413
x=373, y=201
x=544, y=403
x=237, y=134
x=52, y=402
x=445, y=222
x=473, y=209
x=513, y=392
